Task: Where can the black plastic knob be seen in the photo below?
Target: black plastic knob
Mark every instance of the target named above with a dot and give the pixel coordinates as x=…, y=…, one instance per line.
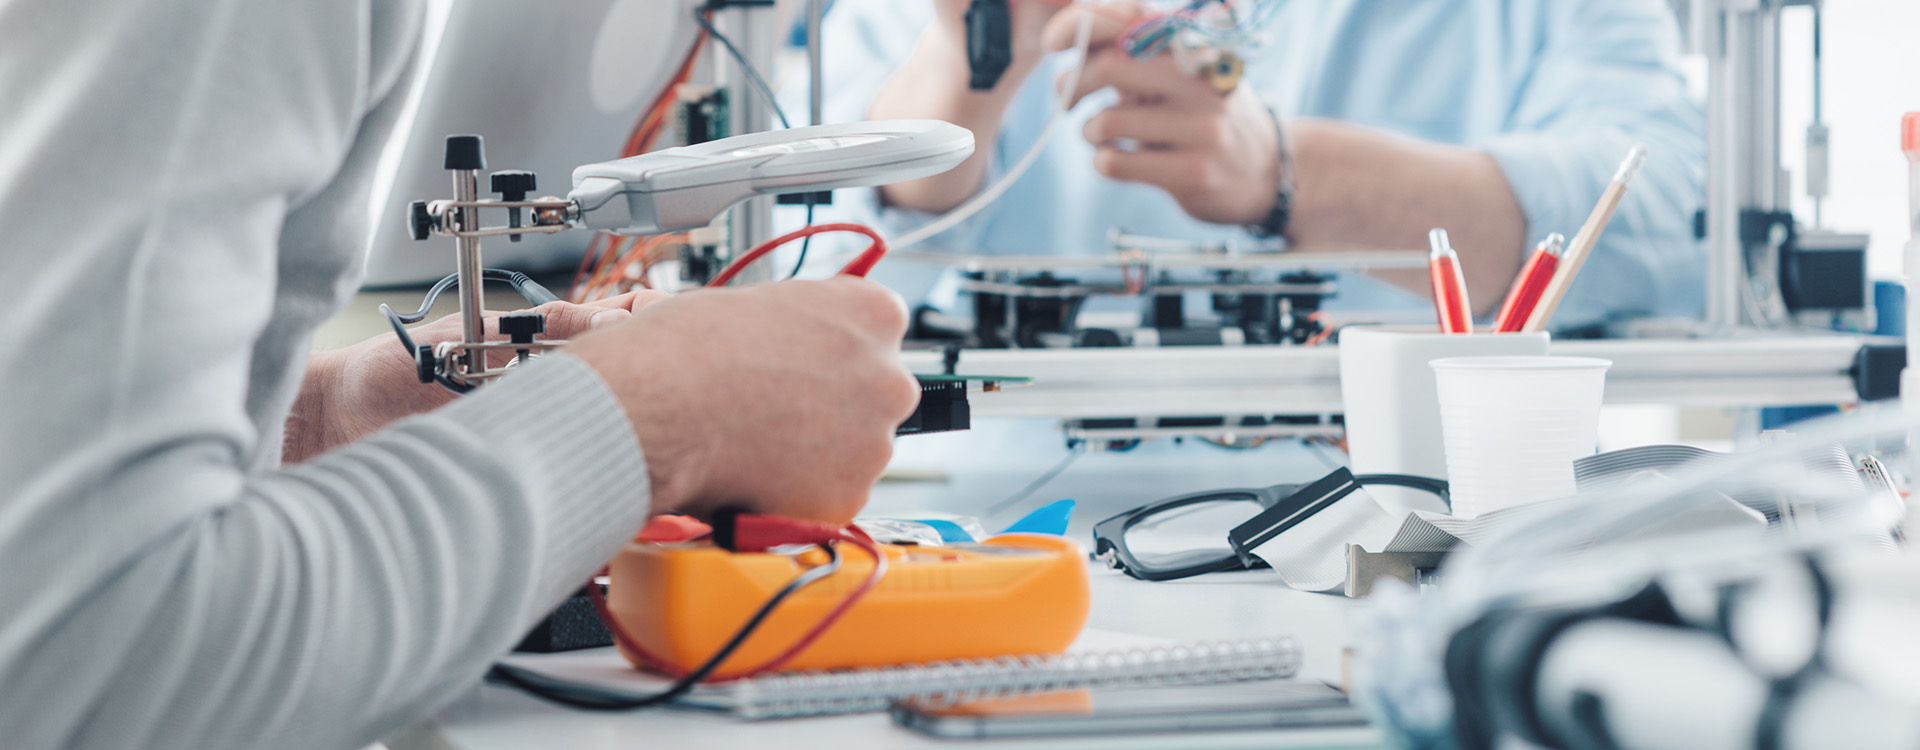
x=513, y=185
x=520, y=328
x=424, y=363
x=419, y=222
x=466, y=152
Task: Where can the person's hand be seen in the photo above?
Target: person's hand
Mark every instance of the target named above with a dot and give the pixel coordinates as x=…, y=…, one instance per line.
x=780, y=398
x=934, y=82
x=355, y=391
x=1218, y=156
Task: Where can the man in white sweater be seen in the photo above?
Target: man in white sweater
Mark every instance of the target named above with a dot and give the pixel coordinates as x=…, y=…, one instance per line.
x=182, y=201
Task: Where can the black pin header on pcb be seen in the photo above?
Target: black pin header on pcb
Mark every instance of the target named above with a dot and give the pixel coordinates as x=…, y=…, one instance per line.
x=943, y=408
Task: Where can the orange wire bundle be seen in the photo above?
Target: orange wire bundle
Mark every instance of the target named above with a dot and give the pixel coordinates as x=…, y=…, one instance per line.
x=603, y=267
x=611, y=272
x=604, y=252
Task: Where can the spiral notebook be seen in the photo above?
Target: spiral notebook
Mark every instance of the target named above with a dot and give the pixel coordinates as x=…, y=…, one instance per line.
x=1092, y=663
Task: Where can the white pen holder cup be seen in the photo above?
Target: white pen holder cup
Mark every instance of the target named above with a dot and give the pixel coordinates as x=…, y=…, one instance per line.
x=1515, y=425
x=1392, y=404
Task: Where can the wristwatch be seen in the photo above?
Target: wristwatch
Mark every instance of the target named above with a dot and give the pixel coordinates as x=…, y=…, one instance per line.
x=1275, y=224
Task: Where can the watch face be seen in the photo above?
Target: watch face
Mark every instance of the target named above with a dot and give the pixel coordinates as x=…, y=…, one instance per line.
x=817, y=143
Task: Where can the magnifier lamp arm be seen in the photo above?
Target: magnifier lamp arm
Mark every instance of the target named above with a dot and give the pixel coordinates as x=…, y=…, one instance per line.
x=687, y=187
x=606, y=205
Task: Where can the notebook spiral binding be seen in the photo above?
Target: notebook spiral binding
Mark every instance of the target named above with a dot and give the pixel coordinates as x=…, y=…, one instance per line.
x=814, y=693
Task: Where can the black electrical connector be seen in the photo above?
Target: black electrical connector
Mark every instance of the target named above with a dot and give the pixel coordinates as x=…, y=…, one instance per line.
x=1876, y=370
x=989, y=43
x=943, y=408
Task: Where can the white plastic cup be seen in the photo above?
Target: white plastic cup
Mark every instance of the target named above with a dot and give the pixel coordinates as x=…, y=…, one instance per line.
x=1392, y=405
x=1515, y=425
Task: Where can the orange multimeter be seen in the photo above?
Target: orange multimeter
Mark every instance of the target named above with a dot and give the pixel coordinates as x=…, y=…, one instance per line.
x=1012, y=594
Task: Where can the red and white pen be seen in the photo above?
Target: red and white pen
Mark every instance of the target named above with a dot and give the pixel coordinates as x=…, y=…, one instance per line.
x=1449, y=286
x=1529, y=285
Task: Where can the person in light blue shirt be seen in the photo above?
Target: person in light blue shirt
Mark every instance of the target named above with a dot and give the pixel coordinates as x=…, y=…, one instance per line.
x=1500, y=120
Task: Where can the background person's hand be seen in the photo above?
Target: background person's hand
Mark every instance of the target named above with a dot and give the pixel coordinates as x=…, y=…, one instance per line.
x=353, y=392
x=781, y=398
x=1218, y=156
x=933, y=83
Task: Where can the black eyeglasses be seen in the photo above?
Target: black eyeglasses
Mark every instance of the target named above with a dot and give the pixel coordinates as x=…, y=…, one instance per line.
x=1212, y=531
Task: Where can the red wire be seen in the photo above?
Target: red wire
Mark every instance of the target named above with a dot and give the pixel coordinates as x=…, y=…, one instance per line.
x=852, y=535
x=1326, y=331
x=619, y=631
x=859, y=267
x=855, y=536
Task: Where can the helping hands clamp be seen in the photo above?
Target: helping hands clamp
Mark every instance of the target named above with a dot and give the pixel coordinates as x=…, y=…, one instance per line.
x=462, y=365
x=669, y=190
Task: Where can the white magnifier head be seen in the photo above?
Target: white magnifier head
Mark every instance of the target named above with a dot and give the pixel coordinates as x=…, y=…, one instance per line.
x=683, y=188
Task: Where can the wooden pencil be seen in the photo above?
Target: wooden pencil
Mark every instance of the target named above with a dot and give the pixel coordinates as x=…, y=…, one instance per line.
x=1583, y=242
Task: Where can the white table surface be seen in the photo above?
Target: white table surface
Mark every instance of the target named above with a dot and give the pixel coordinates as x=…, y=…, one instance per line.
x=981, y=468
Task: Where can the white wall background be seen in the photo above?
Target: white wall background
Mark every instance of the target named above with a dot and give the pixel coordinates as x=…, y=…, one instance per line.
x=1871, y=61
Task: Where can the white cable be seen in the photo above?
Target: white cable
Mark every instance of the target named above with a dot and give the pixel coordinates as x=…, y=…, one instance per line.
x=1082, y=39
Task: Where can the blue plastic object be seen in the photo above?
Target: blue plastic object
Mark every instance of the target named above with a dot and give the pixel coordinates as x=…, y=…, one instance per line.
x=1051, y=518
x=950, y=532
x=1782, y=417
x=1889, y=308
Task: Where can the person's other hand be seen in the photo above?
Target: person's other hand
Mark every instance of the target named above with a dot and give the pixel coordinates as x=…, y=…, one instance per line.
x=780, y=398
x=355, y=391
x=1218, y=156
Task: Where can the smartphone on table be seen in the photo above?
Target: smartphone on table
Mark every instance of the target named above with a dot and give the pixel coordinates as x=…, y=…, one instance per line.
x=1235, y=706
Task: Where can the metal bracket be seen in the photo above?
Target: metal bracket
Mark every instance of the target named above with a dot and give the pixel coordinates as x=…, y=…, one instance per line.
x=462, y=365
x=1366, y=568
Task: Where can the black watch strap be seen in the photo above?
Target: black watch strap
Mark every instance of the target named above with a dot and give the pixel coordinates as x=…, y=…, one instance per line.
x=1275, y=224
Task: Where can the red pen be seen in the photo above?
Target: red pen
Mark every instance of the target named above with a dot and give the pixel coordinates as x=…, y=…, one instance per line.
x=1529, y=285
x=1449, y=286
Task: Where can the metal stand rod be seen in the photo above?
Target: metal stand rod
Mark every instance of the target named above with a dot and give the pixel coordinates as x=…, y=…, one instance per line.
x=816, y=11
x=751, y=27
x=1741, y=40
x=1818, y=155
x=466, y=188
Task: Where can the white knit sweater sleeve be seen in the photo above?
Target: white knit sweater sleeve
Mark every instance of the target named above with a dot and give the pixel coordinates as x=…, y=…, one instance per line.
x=165, y=168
